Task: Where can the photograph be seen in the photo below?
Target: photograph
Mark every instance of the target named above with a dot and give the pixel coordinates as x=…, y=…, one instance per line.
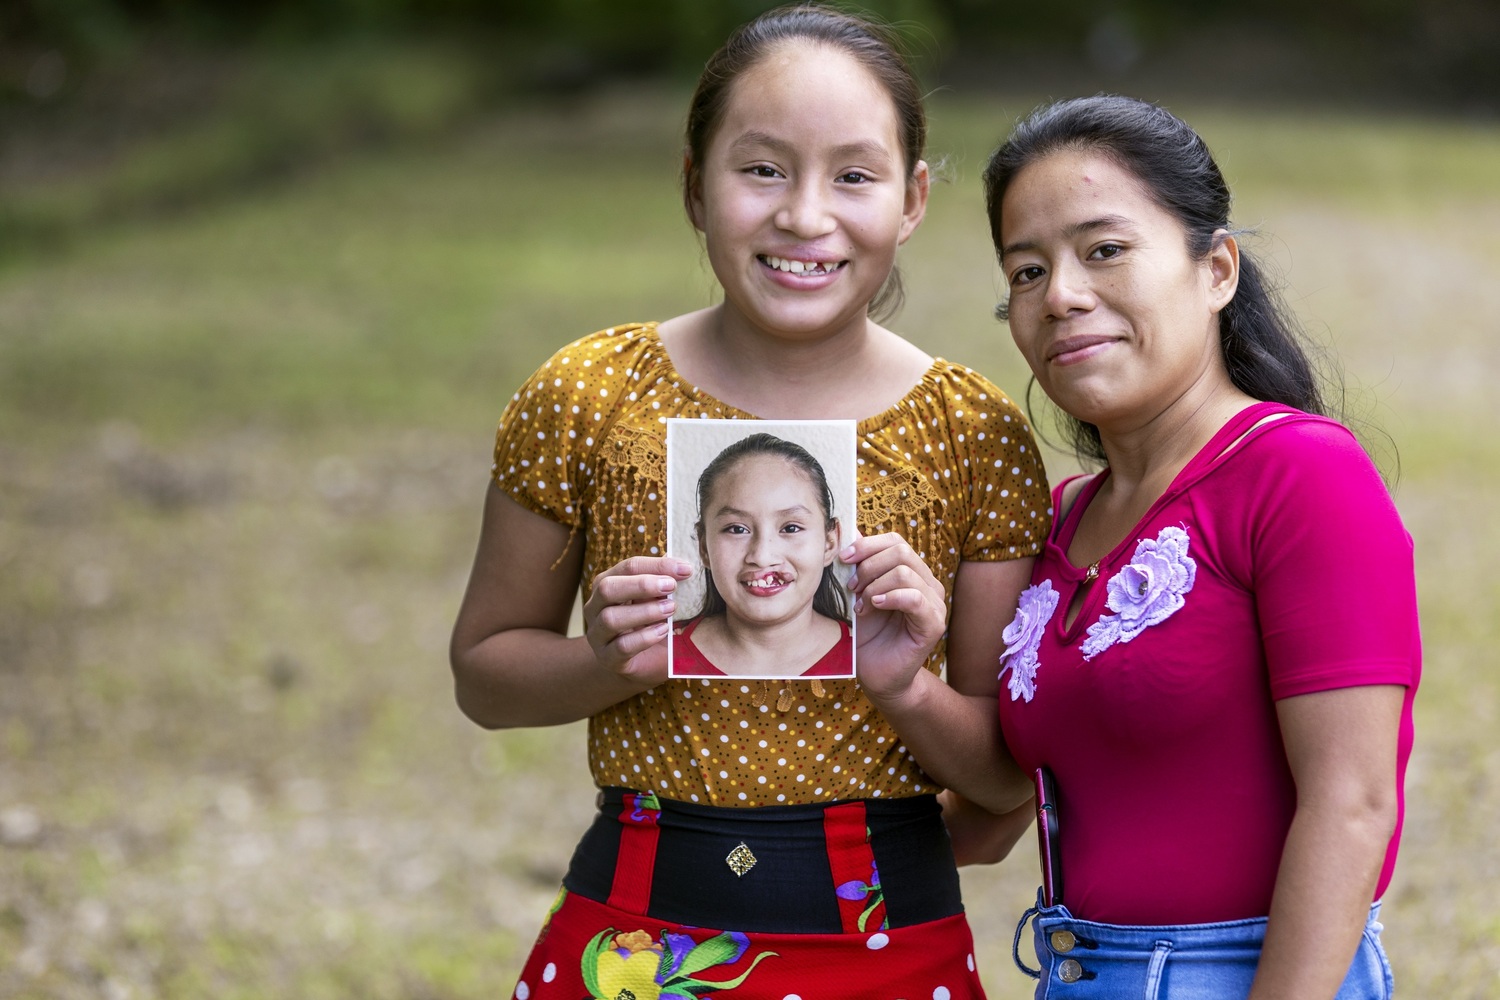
x=761, y=508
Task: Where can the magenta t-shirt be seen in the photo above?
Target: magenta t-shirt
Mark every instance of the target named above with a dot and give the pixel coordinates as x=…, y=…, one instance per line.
x=1277, y=568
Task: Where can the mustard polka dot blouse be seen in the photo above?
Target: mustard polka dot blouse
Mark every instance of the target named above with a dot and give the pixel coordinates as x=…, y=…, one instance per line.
x=952, y=467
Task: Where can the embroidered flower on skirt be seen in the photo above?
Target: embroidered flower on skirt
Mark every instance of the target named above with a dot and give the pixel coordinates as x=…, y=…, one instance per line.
x=1148, y=591
x=868, y=893
x=1023, y=635
x=637, y=965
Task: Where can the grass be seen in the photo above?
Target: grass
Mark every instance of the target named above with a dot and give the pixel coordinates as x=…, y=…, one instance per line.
x=242, y=451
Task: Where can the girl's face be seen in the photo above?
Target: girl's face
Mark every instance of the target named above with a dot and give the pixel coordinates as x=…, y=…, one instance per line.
x=765, y=539
x=1115, y=318
x=804, y=194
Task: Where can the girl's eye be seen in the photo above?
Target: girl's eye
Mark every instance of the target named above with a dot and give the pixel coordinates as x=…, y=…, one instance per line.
x=854, y=177
x=735, y=529
x=1107, y=251
x=761, y=170
x=1025, y=275
x=792, y=529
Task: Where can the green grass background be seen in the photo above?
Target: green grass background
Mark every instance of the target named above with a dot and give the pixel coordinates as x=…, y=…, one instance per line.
x=244, y=440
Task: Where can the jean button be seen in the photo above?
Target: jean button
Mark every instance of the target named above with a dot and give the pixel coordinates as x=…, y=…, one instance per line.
x=1063, y=941
x=1069, y=971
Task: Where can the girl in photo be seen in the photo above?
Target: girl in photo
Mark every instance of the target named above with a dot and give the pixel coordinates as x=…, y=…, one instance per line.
x=1217, y=657
x=745, y=842
x=768, y=540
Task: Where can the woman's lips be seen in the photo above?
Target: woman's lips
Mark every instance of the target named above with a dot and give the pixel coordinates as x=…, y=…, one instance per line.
x=1071, y=350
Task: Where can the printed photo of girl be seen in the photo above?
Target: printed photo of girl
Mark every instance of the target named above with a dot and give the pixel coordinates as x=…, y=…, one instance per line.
x=762, y=522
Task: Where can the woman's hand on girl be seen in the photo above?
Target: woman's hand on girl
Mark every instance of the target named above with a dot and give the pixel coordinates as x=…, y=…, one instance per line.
x=901, y=612
x=626, y=617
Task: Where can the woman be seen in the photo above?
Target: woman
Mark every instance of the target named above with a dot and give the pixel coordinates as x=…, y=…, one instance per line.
x=1217, y=657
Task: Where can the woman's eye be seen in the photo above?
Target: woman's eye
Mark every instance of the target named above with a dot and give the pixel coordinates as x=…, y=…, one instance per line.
x=792, y=528
x=735, y=529
x=1025, y=275
x=761, y=170
x=853, y=177
x=1107, y=251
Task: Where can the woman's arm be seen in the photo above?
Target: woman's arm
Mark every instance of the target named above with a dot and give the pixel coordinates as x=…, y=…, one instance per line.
x=1341, y=746
x=513, y=664
x=952, y=729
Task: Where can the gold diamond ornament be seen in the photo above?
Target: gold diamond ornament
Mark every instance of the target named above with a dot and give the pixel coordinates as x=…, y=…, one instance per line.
x=740, y=860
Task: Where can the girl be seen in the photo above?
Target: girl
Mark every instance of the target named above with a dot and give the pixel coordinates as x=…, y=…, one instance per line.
x=768, y=847
x=766, y=531
x=1217, y=658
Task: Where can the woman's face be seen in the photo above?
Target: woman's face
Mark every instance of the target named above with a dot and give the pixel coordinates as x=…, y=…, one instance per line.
x=765, y=539
x=804, y=193
x=1115, y=318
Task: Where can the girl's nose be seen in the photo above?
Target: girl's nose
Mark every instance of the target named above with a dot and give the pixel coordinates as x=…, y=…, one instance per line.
x=805, y=211
x=761, y=551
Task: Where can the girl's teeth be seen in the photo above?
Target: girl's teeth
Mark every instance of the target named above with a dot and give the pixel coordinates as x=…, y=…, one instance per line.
x=799, y=266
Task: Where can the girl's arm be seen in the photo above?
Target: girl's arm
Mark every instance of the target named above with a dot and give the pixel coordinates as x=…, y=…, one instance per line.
x=952, y=729
x=1341, y=746
x=979, y=836
x=513, y=664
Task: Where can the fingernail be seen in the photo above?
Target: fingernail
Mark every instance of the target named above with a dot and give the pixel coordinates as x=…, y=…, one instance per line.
x=682, y=568
x=666, y=584
x=878, y=600
x=662, y=629
x=847, y=553
x=859, y=605
x=853, y=580
x=668, y=606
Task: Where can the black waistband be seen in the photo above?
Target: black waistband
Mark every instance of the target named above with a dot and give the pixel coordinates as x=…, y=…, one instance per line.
x=792, y=890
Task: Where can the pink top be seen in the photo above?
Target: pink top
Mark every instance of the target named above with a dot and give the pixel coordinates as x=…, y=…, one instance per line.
x=1277, y=568
x=688, y=660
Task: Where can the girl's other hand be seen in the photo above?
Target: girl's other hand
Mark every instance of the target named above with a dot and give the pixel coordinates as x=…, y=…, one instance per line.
x=901, y=612
x=626, y=616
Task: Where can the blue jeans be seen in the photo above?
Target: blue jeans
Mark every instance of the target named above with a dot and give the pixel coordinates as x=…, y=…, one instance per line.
x=1084, y=960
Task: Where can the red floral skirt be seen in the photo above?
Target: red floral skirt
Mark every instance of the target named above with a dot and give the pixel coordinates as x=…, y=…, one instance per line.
x=803, y=884
x=590, y=950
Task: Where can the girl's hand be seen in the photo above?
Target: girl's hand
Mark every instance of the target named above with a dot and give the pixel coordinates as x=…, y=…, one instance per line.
x=901, y=611
x=626, y=616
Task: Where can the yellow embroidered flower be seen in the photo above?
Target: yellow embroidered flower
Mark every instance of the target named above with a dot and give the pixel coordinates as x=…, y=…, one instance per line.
x=636, y=941
x=632, y=978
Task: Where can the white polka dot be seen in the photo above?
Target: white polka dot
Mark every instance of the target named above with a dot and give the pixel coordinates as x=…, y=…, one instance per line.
x=941, y=993
x=971, y=961
x=550, y=972
x=877, y=942
x=523, y=992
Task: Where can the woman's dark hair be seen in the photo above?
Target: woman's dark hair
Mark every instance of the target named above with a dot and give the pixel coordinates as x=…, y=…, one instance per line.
x=1265, y=351
x=875, y=46
x=829, y=601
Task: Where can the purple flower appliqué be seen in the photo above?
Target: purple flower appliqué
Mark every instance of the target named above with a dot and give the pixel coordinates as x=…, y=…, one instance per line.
x=1148, y=591
x=1022, y=637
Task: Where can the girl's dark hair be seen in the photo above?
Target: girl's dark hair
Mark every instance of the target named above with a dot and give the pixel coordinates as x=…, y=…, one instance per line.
x=829, y=601
x=1267, y=354
x=875, y=46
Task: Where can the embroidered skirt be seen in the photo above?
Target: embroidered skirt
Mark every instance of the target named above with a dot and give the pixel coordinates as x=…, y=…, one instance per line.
x=855, y=899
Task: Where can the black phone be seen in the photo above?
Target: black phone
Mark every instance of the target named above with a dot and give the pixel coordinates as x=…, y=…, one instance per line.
x=1047, y=842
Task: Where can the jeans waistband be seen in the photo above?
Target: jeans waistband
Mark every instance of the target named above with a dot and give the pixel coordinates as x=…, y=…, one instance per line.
x=1076, y=952
x=840, y=867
